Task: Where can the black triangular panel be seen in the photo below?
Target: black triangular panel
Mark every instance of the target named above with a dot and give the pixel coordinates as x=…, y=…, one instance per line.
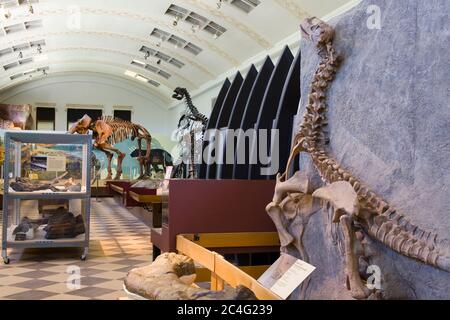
x=225, y=171
x=269, y=109
x=212, y=123
x=224, y=116
x=287, y=109
x=240, y=171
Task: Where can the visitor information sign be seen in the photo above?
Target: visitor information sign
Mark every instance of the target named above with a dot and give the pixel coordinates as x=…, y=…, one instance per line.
x=285, y=275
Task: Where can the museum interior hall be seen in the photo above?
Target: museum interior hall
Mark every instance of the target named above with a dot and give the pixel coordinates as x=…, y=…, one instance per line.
x=224, y=150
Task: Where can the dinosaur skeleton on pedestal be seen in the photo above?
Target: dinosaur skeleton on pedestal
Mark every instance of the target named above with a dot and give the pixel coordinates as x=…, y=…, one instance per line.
x=357, y=209
x=194, y=123
x=108, y=131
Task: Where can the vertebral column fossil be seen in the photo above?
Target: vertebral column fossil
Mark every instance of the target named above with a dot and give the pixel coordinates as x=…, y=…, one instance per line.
x=374, y=215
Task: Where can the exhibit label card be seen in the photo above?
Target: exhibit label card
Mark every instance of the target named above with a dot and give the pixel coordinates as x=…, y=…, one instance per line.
x=56, y=163
x=285, y=275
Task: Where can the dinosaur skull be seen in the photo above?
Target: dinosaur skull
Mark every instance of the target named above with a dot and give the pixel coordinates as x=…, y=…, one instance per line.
x=178, y=93
x=81, y=126
x=317, y=31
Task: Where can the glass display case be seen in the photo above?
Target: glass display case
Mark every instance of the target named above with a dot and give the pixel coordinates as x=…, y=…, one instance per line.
x=46, y=190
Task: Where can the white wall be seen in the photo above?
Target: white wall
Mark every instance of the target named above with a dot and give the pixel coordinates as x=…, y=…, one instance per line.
x=95, y=89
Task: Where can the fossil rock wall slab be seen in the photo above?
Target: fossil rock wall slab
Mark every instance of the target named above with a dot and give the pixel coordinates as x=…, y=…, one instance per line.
x=390, y=125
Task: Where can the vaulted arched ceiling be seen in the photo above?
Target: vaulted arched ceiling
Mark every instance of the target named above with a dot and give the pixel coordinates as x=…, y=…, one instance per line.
x=139, y=39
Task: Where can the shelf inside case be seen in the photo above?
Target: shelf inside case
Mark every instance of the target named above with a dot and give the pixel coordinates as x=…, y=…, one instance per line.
x=47, y=192
x=37, y=238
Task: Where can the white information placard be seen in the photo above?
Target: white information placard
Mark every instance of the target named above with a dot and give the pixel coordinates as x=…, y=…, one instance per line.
x=56, y=163
x=285, y=275
x=168, y=173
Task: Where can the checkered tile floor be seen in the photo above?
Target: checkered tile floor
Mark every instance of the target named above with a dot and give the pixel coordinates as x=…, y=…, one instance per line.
x=119, y=242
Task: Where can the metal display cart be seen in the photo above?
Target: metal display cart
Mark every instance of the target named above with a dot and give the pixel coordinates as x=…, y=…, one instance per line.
x=12, y=200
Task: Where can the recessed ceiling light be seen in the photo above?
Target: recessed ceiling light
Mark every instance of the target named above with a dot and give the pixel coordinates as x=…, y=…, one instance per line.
x=138, y=62
x=130, y=73
x=141, y=78
x=29, y=71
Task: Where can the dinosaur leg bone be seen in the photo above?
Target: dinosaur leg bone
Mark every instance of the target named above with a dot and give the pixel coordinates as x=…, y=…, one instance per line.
x=344, y=200
x=147, y=160
x=357, y=287
x=109, y=156
x=275, y=213
x=141, y=159
x=120, y=157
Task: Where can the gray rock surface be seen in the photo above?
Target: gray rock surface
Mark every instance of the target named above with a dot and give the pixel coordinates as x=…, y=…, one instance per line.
x=389, y=118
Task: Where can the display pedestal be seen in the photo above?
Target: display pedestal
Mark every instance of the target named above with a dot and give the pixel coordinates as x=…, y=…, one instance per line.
x=150, y=206
x=123, y=189
x=213, y=206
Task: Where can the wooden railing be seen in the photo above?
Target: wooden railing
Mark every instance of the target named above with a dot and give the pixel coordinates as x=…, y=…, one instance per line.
x=221, y=271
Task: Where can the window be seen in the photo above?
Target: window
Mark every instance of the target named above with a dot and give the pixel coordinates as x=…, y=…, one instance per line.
x=123, y=114
x=73, y=115
x=45, y=119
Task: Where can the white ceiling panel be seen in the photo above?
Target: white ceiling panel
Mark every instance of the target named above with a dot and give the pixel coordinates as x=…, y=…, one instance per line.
x=105, y=36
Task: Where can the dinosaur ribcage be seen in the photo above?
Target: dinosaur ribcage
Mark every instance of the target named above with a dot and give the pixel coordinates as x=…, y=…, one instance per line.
x=123, y=130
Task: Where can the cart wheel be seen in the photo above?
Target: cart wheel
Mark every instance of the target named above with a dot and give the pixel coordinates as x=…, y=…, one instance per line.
x=6, y=260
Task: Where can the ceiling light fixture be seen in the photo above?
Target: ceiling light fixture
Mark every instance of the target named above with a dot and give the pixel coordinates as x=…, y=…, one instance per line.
x=20, y=55
x=220, y=3
x=5, y=13
x=147, y=54
x=141, y=78
x=158, y=62
x=39, y=48
x=44, y=73
x=175, y=21
x=130, y=73
x=137, y=76
x=29, y=71
x=195, y=27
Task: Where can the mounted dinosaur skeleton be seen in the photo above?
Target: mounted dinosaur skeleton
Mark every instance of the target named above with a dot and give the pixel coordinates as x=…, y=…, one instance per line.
x=192, y=124
x=109, y=131
x=357, y=209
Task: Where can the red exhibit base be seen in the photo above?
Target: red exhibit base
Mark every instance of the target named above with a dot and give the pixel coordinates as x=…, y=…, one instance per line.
x=213, y=206
x=123, y=189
